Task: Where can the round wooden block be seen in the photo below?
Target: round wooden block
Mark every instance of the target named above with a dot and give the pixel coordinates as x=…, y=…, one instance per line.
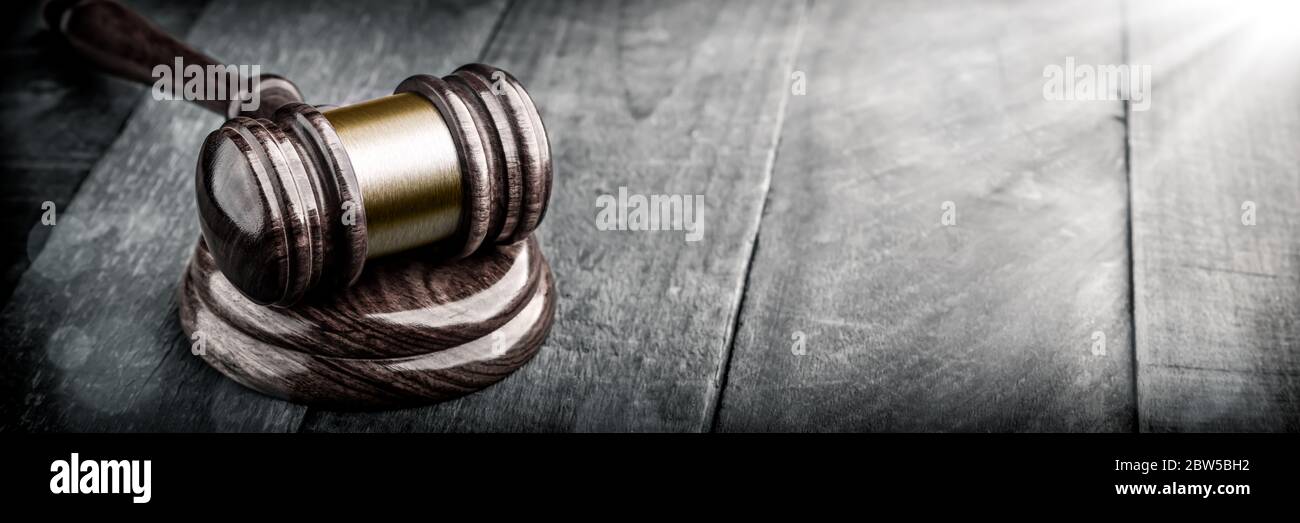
x=408, y=332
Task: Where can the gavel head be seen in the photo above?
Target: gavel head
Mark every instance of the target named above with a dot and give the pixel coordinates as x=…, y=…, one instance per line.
x=298, y=202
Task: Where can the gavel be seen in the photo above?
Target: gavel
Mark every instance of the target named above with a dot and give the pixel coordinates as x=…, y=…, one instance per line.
x=294, y=198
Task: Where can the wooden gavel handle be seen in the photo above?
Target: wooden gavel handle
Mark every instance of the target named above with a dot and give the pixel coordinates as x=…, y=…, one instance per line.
x=116, y=39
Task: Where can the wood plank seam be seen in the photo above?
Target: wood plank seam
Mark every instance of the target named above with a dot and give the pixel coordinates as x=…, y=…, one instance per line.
x=496, y=30
x=714, y=406
x=977, y=327
x=670, y=98
x=1126, y=57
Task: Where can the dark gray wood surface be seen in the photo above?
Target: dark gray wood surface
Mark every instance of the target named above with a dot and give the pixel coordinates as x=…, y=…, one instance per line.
x=1218, y=301
x=908, y=324
x=93, y=338
x=57, y=121
x=823, y=221
x=680, y=98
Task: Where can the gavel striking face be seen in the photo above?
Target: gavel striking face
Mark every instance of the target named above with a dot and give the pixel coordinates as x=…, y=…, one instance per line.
x=299, y=201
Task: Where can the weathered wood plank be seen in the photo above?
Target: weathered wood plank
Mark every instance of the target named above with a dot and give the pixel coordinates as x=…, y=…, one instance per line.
x=909, y=325
x=676, y=98
x=93, y=339
x=1218, y=301
x=56, y=122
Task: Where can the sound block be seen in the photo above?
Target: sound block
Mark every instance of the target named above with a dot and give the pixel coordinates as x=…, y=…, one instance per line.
x=408, y=332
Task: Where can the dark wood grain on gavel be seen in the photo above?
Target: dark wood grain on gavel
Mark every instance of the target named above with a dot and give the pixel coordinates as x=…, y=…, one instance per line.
x=116, y=39
x=403, y=335
x=402, y=306
x=281, y=206
x=280, y=203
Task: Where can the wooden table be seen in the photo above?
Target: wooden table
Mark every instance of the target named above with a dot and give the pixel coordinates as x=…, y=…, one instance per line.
x=1098, y=276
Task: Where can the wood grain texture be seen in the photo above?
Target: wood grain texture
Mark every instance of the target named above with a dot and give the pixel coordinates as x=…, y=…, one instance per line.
x=94, y=342
x=56, y=121
x=909, y=325
x=416, y=333
x=1218, y=301
x=503, y=146
x=402, y=306
x=660, y=97
x=272, y=195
